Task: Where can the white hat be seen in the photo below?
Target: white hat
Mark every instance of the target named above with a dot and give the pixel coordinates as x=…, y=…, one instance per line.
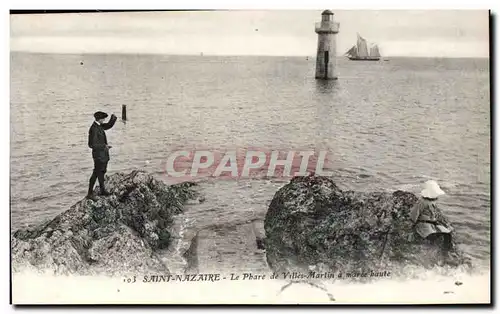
x=431, y=190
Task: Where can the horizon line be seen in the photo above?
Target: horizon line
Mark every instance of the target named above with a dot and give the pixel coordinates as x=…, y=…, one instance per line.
x=233, y=55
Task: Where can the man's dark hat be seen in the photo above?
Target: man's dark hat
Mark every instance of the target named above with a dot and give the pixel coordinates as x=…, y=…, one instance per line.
x=100, y=115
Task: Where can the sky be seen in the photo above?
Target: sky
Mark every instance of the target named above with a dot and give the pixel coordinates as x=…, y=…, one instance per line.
x=432, y=33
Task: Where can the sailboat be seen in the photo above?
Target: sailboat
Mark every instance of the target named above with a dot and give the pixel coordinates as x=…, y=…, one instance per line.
x=360, y=52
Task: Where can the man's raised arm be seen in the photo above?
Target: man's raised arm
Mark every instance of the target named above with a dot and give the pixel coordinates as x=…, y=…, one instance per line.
x=109, y=125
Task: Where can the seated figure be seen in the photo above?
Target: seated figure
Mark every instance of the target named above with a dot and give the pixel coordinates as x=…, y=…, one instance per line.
x=428, y=220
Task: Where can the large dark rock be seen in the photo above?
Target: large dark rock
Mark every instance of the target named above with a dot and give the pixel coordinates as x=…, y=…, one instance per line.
x=311, y=222
x=117, y=234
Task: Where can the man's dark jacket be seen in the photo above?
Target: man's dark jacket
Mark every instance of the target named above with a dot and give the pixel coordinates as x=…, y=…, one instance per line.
x=98, y=141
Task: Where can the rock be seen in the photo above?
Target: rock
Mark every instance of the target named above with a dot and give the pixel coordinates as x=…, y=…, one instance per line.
x=117, y=234
x=311, y=221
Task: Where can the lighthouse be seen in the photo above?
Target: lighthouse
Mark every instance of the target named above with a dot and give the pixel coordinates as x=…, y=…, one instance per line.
x=326, y=55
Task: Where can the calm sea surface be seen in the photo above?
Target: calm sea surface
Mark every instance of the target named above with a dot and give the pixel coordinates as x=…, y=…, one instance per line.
x=388, y=125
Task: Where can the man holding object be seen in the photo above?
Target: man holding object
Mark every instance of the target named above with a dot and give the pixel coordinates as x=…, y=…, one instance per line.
x=100, y=151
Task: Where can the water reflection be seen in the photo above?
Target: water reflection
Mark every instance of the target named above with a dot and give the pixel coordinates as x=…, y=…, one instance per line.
x=326, y=86
x=326, y=96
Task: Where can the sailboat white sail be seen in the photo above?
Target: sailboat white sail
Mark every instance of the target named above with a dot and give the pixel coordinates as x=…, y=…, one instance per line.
x=362, y=47
x=374, y=51
x=353, y=51
x=360, y=50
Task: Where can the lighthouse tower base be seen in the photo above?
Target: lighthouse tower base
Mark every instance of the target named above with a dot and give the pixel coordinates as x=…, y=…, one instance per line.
x=325, y=67
x=330, y=78
x=326, y=57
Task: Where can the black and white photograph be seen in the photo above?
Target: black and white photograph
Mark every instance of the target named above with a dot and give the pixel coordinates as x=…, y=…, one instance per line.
x=322, y=156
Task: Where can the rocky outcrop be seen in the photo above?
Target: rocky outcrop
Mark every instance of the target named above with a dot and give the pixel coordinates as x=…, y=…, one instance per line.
x=313, y=224
x=117, y=234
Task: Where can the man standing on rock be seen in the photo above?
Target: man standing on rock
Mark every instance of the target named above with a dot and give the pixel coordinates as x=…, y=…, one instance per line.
x=100, y=151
